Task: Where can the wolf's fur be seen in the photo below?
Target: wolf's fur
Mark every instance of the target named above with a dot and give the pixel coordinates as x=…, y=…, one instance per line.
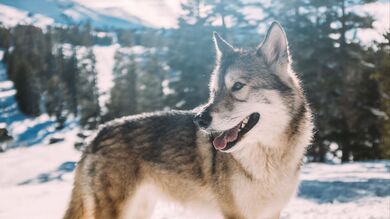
x=133, y=159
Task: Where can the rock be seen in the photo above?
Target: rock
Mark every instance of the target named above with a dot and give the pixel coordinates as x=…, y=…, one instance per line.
x=54, y=140
x=79, y=145
x=4, y=136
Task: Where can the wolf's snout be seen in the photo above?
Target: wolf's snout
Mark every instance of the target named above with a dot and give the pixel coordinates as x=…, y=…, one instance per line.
x=203, y=119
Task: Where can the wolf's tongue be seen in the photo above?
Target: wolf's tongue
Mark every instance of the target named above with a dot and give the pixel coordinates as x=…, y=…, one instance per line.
x=221, y=141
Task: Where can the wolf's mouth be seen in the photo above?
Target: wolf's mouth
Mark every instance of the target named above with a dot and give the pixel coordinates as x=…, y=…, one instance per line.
x=227, y=139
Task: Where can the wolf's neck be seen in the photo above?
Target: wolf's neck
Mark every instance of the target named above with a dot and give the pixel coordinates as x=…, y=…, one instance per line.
x=285, y=156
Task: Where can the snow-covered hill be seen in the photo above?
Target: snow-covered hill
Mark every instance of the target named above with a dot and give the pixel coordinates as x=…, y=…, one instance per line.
x=46, y=12
x=35, y=183
x=11, y=16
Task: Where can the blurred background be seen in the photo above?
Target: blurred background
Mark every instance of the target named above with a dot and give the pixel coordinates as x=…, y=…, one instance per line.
x=68, y=66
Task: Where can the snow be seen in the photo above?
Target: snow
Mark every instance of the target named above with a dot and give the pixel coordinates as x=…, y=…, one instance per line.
x=35, y=183
x=7, y=93
x=11, y=16
x=381, y=13
x=21, y=165
x=373, y=208
x=104, y=66
x=379, y=113
x=6, y=85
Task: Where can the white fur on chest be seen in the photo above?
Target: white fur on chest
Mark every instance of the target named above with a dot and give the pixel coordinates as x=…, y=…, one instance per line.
x=274, y=179
x=262, y=199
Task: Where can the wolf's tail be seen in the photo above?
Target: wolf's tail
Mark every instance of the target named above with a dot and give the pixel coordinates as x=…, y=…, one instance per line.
x=76, y=208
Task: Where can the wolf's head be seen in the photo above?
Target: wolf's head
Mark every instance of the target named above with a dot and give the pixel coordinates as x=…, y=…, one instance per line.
x=254, y=95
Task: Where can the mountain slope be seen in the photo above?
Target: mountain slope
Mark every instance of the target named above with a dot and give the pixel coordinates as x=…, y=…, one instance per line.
x=69, y=12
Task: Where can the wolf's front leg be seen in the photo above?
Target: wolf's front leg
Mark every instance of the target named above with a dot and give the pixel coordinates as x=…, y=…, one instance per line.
x=276, y=216
x=231, y=213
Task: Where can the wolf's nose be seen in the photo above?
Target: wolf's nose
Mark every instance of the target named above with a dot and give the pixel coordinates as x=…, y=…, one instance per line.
x=203, y=120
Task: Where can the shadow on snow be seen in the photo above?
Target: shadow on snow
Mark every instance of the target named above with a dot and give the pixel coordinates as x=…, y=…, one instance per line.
x=57, y=174
x=336, y=191
x=343, y=191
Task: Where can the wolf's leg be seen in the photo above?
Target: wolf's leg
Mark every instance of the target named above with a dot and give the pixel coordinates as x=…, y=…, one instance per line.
x=113, y=185
x=109, y=203
x=141, y=206
x=229, y=213
x=232, y=217
x=228, y=208
x=76, y=209
x=276, y=216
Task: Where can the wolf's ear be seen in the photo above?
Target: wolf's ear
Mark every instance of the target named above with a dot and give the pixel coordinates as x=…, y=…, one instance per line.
x=221, y=46
x=274, y=48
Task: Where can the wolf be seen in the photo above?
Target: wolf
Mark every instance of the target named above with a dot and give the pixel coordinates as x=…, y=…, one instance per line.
x=239, y=154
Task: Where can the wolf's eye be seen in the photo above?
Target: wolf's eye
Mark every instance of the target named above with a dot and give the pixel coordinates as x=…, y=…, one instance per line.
x=237, y=86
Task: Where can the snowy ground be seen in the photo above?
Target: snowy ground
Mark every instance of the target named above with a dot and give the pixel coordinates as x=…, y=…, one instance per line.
x=35, y=183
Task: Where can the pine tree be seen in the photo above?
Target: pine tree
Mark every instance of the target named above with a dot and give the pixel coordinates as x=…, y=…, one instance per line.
x=55, y=100
x=229, y=19
x=190, y=57
x=89, y=109
x=70, y=77
x=149, y=83
x=26, y=66
x=123, y=95
x=382, y=59
x=5, y=37
x=27, y=94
